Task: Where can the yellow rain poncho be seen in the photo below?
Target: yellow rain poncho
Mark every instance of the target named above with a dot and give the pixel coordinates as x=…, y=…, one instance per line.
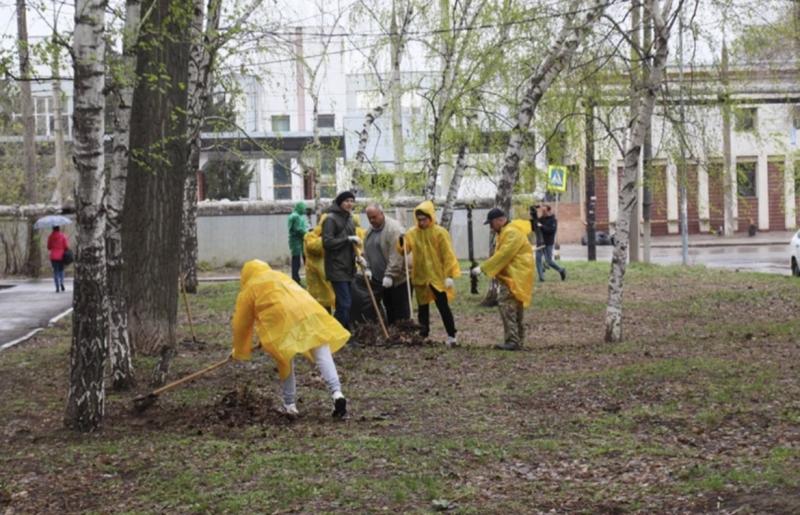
x=434, y=258
x=287, y=319
x=318, y=285
x=512, y=261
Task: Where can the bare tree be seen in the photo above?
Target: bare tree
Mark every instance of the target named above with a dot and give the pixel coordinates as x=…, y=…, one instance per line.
x=32, y=262
x=86, y=397
x=644, y=103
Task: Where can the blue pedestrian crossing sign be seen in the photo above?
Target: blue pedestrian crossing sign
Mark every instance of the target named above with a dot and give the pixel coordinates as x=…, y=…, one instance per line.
x=557, y=178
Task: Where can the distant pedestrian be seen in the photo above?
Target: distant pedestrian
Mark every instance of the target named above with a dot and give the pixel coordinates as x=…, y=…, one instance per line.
x=544, y=256
x=339, y=240
x=512, y=266
x=57, y=244
x=387, y=265
x=435, y=267
x=298, y=227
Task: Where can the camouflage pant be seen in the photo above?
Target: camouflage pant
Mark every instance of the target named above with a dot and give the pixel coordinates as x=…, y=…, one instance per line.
x=511, y=312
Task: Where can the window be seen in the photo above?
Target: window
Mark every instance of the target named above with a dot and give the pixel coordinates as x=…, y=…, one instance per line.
x=744, y=119
x=40, y=105
x=280, y=123
x=326, y=121
x=282, y=180
x=796, y=116
x=327, y=180
x=746, y=179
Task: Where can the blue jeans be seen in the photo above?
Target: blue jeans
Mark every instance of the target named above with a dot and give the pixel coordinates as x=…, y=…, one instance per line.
x=344, y=300
x=544, y=258
x=58, y=274
x=296, y=268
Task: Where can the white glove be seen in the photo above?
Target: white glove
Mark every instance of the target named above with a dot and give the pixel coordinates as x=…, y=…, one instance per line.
x=448, y=283
x=354, y=239
x=387, y=282
x=361, y=261
x=368, y=274
x=475, y=272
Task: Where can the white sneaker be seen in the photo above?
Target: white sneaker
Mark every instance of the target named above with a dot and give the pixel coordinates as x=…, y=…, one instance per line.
x=451, y=342
x=290, y=410
x=339, y=405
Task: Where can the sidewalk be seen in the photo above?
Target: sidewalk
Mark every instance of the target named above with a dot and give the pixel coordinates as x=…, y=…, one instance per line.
x=709, y=240
x=26, y=307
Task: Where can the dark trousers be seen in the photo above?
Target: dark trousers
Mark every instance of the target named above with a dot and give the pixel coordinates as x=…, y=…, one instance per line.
x=444, y=311
x=296, y=268
x=344, y=300
x=395, y=300
x=58, y=274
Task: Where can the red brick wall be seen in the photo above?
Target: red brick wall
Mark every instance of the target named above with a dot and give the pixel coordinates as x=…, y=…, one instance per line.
x=693, y=191
x=570, y=226
x=748, y=212
x=658, y=210
x=601, y=192
x=777, y=214
x=716, y=197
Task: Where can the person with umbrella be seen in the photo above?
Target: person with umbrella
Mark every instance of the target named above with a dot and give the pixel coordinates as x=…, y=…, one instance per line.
x=57, y=245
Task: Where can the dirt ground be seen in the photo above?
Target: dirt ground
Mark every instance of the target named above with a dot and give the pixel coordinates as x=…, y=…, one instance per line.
x=697, y=411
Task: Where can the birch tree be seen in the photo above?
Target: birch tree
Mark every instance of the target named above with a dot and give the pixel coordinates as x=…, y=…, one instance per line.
x=124, y=77
x=576, y=27
x=86, y=397
x=644, y=102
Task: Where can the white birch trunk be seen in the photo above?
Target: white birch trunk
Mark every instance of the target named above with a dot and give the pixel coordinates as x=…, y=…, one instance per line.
x=363, y=139
x=201, y=62
x=396, y=90
x=570, y=37
x=455, y=185
x=627, y=195
x=122, y=372
x=86, y=397
x=63, y=191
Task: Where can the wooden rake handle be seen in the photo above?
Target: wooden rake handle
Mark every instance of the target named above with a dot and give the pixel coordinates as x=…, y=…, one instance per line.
x=188, y=378
x=372, y=298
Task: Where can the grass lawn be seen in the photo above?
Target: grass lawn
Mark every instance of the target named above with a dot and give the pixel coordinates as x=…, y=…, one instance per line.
x=698, y=410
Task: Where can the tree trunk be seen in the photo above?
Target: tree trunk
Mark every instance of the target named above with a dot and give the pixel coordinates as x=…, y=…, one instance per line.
x=627, y=195
x=33, y=260
x=363, y=139
x=201, y=62
x=151, y=227
x=567, y=42
x=730, y=221
x=636, y=72
x=62, y=195
x=396, y=89
x=455, y=185
x=122, y=373
x=86, y=397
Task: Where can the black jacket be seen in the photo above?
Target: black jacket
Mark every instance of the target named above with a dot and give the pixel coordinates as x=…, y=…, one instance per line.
x=549, y=228
x=340, y=256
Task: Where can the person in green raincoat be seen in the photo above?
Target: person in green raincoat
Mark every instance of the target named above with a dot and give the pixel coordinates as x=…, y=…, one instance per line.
x=298, y=227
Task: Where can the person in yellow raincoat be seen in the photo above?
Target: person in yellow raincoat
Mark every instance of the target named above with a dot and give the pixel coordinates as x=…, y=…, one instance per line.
x=512, y=265
x=318, y=285
x=435, y=267
x=288, y=321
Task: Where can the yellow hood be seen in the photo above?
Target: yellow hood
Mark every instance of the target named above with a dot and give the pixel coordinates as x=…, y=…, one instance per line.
x=427, y=208
x=251, y=269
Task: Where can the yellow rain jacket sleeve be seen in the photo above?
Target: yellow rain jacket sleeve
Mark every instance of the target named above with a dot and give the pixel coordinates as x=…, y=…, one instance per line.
x=512, y=261
x=286, y=318
x=434, y=257
x=318, y=285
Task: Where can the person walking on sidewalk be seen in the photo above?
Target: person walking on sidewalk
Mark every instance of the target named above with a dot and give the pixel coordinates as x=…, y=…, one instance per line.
x=57, y=244
x=298, y=227
x=288, y=321
x=435, y=267
x=512, y=266
x=339, y=241
x=387, y=265
x=544, y=257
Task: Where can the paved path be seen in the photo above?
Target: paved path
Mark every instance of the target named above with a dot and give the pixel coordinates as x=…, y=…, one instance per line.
x=28, y=306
